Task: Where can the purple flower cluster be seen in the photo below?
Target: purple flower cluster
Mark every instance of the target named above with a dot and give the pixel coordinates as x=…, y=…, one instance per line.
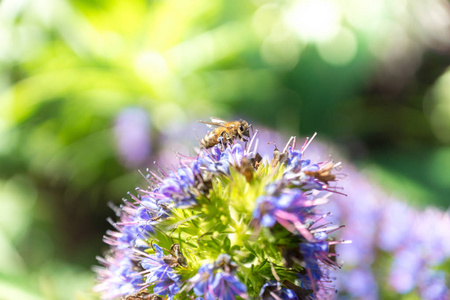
x=284, y=204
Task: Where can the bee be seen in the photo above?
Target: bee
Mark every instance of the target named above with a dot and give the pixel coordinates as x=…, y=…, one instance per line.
x=278, y=157
x=226, y=132
x=176, y=257
x=248, y=166
x=323, y=174
x=202, y=184
x=142, y=296
x=256, y=161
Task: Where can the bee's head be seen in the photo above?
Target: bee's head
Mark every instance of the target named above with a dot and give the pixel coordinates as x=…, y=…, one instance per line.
x=243, y=129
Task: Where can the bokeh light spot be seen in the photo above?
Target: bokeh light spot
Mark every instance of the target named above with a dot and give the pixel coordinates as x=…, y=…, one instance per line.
x=264, y=18
x=168, y=111
x=363, y=14
x=440, y=161
x=208, y=48
x=281, y=49
x=17, y=197
x=437, y=106
x=340, y=50
x=151, y=66
x=314, y=20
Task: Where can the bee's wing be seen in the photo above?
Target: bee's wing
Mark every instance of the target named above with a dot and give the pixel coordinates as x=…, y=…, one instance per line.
x=209, y=124
x=214, y=122
x=218, y=121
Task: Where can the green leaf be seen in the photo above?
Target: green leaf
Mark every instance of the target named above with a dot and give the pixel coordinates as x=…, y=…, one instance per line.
x=249, y=247
x=226, y=245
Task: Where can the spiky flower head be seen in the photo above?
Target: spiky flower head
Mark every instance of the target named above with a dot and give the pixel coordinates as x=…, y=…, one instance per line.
x=226, y=224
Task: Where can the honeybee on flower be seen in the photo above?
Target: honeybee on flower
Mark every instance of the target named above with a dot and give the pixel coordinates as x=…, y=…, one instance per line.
x=225, y=133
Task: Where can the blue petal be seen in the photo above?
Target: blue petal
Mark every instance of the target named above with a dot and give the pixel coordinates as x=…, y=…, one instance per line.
x=199, y=288
x=268, y=220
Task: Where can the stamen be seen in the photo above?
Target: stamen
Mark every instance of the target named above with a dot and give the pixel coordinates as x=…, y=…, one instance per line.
x=288, y=143
x=308, y=142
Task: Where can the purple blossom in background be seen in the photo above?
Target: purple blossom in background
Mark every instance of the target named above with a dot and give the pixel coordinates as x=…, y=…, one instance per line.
x=358, y=283
x=379, y=227
x=405, y=269
x=433, y=285
x=395, y=224
x=133, y=136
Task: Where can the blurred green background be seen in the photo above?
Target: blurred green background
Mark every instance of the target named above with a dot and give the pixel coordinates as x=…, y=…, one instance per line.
x=93, y=90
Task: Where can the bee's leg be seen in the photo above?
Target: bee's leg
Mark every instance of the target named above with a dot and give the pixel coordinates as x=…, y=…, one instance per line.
x=244, y=139
x=221, y=142
x=224, y=139
x=229, y=138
